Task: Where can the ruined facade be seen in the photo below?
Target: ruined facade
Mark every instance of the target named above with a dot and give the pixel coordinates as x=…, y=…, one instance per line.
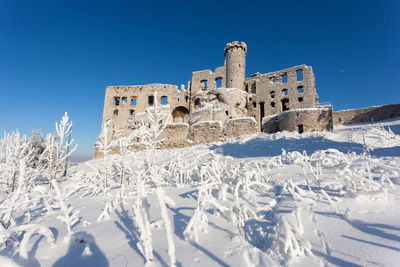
x=223, y=104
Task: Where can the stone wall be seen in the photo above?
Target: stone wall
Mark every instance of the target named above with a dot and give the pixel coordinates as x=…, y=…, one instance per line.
x=240, y=126
x=210, y=78
x=125, y=103
x=370, y=114
x=207, y=132
x=275, y=92
x=300, y=120
x=174, y=135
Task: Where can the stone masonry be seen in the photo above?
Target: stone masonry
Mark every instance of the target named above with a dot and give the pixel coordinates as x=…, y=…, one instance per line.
x=224, y=103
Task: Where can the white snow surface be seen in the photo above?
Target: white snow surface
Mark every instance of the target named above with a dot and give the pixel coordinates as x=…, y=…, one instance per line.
x=312, y=199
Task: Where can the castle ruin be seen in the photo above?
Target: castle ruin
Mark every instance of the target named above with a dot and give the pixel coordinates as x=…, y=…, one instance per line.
x=224, y=104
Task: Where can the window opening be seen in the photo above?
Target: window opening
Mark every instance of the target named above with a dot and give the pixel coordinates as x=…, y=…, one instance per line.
x=300, y=99
x=247, y=88
x=272, y=94
x=284, y=78
x=253, y=88
x=300, y=128
x=132, y=112
x=218, y=82
x=299, y=75
x=124, y=100
x=133, y=101
x=116, y=101
x=262, y=112
x=186, y=99
x=151, y=100
x=300, y=89
x=164, y=100
x=204, y=85
x=273, y=104
x=115, y=112
x=285, y=104
x=254, y=104
x=284, y=91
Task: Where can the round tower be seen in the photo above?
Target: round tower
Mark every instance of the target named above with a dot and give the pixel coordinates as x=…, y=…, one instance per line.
x=235, y=63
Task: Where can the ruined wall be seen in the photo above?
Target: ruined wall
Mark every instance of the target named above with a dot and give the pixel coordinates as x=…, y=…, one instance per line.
x=209, y=78
x=206, y=132
x=275, y=92
x=174, y=135
x=240, y=126
x=300, y=120
x=370, y=114
x=122, y=104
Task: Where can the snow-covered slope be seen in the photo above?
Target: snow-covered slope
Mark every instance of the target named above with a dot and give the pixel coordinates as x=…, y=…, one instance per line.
x=284, y=199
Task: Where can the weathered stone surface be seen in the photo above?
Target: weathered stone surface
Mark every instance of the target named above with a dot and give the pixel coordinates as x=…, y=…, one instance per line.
x=241, y=126
x=377, y=113
x=206, y=132
x=219, y=104
x=174, y=135
x=307, y=120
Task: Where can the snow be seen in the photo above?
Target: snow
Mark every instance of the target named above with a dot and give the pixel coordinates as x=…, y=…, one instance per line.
x=311, y=199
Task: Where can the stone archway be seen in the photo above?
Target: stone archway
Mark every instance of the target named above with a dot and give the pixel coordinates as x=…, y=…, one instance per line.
x=179, y=113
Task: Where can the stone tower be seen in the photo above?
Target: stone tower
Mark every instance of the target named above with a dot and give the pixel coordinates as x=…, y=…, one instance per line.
x=235, y=62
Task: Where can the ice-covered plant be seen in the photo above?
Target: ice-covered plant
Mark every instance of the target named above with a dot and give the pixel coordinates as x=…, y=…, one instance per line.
x=142, y=218
x=58, y=148
x=164, y=200
x=69, y=216
x=9, y=230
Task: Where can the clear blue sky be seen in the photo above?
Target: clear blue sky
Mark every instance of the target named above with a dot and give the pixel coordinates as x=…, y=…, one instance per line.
x=59, y=55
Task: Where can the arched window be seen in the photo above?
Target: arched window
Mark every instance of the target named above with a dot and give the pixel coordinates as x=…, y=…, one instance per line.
x=115, y=112
x=164, y=100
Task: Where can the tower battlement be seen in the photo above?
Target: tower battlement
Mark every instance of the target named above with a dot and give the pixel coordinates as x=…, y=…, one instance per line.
x=236, y=44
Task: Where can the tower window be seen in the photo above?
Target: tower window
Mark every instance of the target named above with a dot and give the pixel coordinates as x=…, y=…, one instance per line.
x=273, y=104
x=254, y=104
x=272, y=94
x=284, y=92
x=132, y=112
x=151, y=100
x=186, y=99
x=117, y=101
x=300, y=99
x=115, y=112
x=124, y=100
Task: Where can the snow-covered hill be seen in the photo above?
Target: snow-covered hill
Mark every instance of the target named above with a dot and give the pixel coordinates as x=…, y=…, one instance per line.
x=313, y=199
